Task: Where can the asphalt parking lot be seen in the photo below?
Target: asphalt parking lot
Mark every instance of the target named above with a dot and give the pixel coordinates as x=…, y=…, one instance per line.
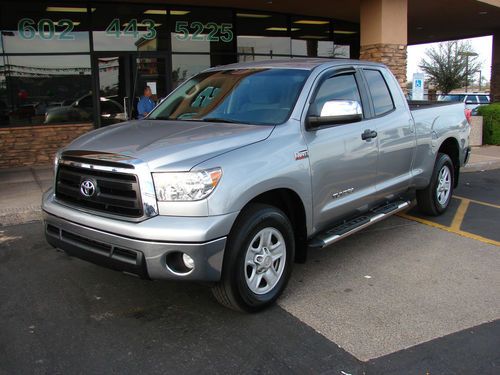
x=411, y=295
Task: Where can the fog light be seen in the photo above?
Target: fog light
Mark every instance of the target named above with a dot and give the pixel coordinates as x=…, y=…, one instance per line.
x=188, y=261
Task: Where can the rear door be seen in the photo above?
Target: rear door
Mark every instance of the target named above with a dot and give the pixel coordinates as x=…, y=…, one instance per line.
x=343, y=165
x=395, y=132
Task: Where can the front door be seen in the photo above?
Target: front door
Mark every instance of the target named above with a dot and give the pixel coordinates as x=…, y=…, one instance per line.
x=121, y=81
x=344, y=166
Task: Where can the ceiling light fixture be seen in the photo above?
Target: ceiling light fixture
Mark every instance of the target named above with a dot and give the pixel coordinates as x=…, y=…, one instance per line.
x=140, y=24
x=156, y=11
x=344, y=32
x=179, y=12
x=68, y=9
x=274, y=28
x=312, y=22
x=252, y=15
x=312, y=37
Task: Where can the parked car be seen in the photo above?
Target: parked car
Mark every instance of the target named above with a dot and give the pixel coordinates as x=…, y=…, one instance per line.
x=471, y=100
x=81, y=110
x=243, y=168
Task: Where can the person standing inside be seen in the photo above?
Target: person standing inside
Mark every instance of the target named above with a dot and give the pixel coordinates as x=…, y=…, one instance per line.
x=145, y=104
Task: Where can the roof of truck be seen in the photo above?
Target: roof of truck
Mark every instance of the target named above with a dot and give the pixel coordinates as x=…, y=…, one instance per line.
x=295, y=63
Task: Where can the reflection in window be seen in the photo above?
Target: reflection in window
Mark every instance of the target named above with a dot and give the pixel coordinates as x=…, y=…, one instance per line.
x=381, y=96
x=186, y=66
x=41, y=28
x=346, y=38
x=129, y=27
x=262, y=34
x=241, y=96
x=312, y=37
x=202, y=30
x=44, y=90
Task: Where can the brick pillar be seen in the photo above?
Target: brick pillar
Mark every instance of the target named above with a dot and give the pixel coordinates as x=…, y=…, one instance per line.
x=495, y=68
x=392, y=55
x=384, y=34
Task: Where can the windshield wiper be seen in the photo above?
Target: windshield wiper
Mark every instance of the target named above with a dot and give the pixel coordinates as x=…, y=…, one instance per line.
x=222, y=119
x=160, y=118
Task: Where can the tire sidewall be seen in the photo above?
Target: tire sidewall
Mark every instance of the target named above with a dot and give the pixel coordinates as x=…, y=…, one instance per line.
x=239, y=243
x=442, y=160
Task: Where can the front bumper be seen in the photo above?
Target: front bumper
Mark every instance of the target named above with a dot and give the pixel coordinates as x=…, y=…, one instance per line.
x=139, y=248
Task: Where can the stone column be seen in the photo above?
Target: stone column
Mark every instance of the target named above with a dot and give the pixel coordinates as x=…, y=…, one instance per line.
x=384, y=34
x=495, y=68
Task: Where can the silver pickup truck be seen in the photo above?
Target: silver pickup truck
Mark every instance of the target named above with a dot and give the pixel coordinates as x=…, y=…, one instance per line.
x=243, y=168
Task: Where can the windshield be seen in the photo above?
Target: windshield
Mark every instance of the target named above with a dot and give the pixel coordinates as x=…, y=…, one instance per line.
x=248, y=96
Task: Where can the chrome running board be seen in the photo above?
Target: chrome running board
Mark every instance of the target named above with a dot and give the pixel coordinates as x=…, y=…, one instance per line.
x=352, y=226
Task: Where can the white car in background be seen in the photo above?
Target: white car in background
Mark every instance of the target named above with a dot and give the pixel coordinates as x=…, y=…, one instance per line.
x=472, y=100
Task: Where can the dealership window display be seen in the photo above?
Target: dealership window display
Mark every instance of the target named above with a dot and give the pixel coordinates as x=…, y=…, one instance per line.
x=73, y=63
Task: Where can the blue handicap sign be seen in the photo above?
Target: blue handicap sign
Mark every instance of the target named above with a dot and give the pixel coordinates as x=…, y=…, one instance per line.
x=418, y=83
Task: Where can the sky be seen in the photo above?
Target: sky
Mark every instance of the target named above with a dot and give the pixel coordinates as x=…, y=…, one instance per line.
x=481, y=45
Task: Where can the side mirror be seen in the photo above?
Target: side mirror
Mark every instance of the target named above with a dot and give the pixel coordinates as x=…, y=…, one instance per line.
x=336, y=112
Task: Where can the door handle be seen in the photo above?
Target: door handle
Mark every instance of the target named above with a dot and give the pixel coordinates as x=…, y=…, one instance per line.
x=368, y=134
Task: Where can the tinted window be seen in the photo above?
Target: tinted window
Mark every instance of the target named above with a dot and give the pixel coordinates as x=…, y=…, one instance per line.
x=381, y=97
x=483, y=99
x=31, y=86
x=342, y=87
x=452, y=98
x=471, y=99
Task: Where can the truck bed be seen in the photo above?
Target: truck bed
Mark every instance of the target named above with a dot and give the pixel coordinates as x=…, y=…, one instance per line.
x=424, y=104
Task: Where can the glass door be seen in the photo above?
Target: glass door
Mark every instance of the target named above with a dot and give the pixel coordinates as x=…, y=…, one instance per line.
x=114, y=88
x=148, y=73
x=122, y=82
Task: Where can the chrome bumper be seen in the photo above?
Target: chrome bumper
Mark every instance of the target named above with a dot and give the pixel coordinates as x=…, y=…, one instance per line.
x=139, y=248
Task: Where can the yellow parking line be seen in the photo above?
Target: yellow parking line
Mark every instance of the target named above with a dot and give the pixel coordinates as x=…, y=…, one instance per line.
x=478, y=202
x=460, y=214
x=449, y=229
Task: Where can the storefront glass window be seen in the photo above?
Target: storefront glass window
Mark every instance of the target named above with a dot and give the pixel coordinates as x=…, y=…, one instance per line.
x=126, y=27
x=196, y=30
x=186, y=66
x=45, y=90
x=262, y=34
x=346, y=38
x=43, y=28
x=312, y=37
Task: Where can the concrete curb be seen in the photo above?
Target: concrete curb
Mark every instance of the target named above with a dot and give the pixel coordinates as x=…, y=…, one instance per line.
x=482, y=166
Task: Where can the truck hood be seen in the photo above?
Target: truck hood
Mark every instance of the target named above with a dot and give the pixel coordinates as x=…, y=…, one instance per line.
x=170, y=145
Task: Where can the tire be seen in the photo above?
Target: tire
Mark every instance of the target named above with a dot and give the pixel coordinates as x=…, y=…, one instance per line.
x=250, y=257
x=435, y=198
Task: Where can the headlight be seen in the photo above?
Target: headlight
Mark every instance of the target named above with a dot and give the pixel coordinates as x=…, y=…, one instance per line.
x=186, y=186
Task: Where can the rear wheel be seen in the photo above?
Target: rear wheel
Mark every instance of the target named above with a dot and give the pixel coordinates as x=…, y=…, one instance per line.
x=257, y=261
x=436, y=197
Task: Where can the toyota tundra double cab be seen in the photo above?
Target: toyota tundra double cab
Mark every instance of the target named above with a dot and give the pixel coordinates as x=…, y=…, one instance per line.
x=243, y=168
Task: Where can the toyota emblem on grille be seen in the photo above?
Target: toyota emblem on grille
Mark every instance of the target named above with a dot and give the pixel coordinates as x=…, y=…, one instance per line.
x=87, y=188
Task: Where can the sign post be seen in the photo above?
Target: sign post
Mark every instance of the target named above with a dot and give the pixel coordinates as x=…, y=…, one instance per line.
x=418, y=86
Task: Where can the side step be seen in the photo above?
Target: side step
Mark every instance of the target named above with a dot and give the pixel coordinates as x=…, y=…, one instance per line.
x=354, y=225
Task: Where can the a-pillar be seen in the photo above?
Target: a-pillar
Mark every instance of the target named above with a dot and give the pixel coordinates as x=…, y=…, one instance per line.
x=384, y=34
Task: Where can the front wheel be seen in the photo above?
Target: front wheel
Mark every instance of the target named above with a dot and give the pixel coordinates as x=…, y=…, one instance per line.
x=436, y=197
x=258, y=259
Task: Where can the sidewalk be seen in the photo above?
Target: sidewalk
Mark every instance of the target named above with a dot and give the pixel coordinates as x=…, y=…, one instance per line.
x=21, y=189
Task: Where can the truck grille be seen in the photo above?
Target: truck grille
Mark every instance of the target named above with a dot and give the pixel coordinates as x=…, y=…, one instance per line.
x=113, y=192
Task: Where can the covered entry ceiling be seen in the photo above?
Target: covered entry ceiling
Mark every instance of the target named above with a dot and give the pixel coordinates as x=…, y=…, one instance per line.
x=428, y=20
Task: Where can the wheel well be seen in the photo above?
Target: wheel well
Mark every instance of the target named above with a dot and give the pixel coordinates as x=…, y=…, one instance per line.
x=290, y=203
x=450, y=148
